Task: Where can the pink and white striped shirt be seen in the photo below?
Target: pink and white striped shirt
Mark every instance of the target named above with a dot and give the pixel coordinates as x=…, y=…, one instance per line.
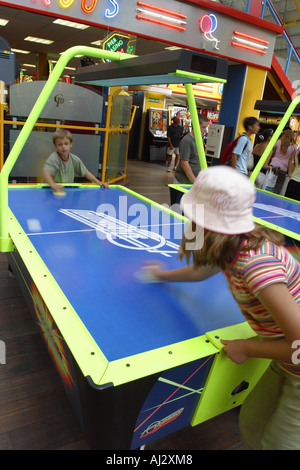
x=252, y=271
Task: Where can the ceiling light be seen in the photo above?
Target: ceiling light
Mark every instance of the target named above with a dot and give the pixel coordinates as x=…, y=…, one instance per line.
x=97, y=43
x=68, y=68
x=38, y=40
x=20, y=51
x=173, y=48
x=3, y=22
x=78, y=55
x=71, y=24
x=28, y=65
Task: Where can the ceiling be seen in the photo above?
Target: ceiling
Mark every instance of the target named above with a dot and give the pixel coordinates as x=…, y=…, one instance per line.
x=289, y=13
x=23, y=23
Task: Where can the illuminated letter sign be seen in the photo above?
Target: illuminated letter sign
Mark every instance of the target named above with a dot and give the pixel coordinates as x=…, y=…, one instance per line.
x=208, y=24
x=46, y=2
x=89, y=9
x=112, y=14
x=88, y=6
x=65, y=3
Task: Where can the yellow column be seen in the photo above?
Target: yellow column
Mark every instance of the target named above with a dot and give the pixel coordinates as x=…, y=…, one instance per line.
x=253, y=90
x=2, y=101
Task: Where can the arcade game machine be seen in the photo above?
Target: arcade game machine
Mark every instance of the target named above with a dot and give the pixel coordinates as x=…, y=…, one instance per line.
x=138, y=361
x=9, y=66
x=218, y=137
x=155, y=140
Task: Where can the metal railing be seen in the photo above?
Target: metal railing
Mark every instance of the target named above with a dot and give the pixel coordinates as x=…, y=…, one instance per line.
x=45, y=125
x=289, y=58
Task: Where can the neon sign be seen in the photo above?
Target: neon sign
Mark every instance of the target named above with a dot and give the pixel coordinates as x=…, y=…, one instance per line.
x=250, y=43
x=88, y=6
x=88, y=9
x=161, y=16
x=117, y=42
x=208, y=25
x=46, y=2
x=112, y=14
x=65, y=3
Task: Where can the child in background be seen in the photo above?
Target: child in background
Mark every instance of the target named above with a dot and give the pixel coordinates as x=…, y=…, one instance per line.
x=264, y=279
x=62, y=165
x=293, y=187
x=285, y=149
x=240, y=153
x=257, y=152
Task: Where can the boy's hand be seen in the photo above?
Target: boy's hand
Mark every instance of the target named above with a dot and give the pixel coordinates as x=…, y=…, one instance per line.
x=104, y=185
x=58, y=187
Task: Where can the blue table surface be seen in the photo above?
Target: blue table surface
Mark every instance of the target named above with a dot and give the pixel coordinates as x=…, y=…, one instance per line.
x=283, y=213
x=95, y=268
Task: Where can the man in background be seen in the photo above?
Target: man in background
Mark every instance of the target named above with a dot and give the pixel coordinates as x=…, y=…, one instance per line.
x=174, y=133
x=189, y=164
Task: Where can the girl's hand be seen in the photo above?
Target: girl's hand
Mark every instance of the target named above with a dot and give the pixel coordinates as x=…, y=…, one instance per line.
x=154, y=267
x=235, y=350
x=150, y=272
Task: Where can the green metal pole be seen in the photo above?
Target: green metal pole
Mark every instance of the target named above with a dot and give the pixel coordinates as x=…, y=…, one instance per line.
x=274, y=138
x=5, y=241
x=196, y=125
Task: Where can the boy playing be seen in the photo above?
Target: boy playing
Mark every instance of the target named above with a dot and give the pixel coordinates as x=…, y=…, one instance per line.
x=62, y=165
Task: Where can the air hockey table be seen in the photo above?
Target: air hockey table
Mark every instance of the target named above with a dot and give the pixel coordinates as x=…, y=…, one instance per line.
x=270, y=210
x=137, y=360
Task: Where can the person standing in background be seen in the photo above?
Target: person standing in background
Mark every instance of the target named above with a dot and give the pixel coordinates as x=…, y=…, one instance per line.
x=240, y=154
x=293, y=187
x=285, y=149
x=189, y=164
x=174, y=133
x=257, y=152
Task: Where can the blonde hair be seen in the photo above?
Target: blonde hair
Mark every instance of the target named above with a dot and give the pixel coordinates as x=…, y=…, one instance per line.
x=219, y=249
x=62, y=134
x=286, y=140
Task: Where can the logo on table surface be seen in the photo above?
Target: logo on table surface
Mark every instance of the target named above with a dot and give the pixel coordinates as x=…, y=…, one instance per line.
x=133, y=235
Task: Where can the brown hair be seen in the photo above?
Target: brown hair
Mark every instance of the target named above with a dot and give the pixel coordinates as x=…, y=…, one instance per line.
x=62, y=134
x=202, y=118
x=286, y=140
x=219, y=249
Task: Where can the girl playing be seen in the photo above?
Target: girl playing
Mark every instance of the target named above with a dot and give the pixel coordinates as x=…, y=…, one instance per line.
x=264, y=279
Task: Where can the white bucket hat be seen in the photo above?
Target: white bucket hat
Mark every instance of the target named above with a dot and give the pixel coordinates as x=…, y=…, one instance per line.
x=221, y=200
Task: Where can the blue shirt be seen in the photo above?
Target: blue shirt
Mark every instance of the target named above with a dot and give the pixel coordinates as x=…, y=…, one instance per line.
x=242, y=150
